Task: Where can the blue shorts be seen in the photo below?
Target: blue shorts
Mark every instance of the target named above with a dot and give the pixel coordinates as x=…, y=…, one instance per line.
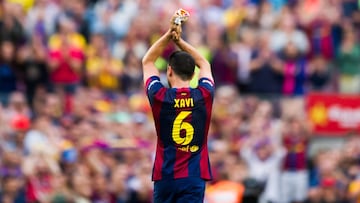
x=189, y=190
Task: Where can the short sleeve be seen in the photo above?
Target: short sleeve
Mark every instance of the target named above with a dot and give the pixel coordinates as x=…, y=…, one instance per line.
x=152, y=86
x=207, y=84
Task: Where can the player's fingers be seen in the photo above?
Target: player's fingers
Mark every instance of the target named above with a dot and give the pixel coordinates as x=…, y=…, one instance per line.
x=177, y=29
x=176, y=32
x=175, y=36
x=173, y=27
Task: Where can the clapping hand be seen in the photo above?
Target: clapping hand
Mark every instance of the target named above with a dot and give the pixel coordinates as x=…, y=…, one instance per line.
x=177, y=19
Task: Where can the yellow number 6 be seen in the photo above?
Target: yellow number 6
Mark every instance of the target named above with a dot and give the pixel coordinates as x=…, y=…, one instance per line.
x=180, y=124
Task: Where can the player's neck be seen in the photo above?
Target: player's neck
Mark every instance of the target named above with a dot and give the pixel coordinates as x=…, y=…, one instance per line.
x=178, y=83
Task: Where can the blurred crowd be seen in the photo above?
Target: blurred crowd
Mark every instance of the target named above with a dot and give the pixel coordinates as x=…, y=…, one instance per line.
x=75, y=124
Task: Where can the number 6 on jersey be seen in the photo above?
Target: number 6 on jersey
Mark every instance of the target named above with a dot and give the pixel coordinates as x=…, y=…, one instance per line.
x=180, y=124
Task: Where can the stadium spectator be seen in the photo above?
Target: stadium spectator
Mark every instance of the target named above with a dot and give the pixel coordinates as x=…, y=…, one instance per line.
x=82, y=17
x=61, y=191
x=268, y=15
x=17, y=107
x=32, y=61
x=131, y=80
x=43, y=137
x=103, y=71
x=66, y=56
x=224, y=63
x=264, y=162
x=12, y=190
x=322, y=30
x=8, y=78
x=294, y=176
x=265, y=68
x=136, y=41
x=11, y=24
x=348, y=62
x=41, y=19
x=287, y=32
x=40, y=171
x=81, y=185
x=243, y=48
x=107, y=15
x=320, y=75
x=295, y=70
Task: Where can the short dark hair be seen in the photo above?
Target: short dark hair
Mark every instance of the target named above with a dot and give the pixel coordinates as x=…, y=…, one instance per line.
x=183, y=64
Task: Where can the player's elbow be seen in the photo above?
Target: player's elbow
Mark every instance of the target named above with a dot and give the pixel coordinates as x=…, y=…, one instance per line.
x=145, y=61
x=204, y=64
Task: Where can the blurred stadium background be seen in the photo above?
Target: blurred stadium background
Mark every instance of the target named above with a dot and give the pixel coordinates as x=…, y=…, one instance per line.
x=75, y=124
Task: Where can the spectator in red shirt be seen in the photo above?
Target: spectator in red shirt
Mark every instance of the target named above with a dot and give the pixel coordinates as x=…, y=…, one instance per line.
x=65, y=65
x=66, y=58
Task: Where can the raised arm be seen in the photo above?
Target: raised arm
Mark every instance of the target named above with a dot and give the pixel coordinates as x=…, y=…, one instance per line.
x=148, y=61
x=201, y=62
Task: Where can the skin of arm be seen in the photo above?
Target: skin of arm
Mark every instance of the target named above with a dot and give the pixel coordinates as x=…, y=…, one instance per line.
x=148, y=61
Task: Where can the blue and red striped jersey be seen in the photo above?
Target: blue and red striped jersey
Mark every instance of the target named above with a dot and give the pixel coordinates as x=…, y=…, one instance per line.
x=297, y=147
x=182, y=118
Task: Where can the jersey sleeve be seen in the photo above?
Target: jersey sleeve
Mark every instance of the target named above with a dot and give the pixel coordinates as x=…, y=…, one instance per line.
x=152, y=86
x=207, y=84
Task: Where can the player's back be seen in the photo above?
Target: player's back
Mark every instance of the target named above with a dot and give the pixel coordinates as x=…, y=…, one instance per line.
x=182, y=117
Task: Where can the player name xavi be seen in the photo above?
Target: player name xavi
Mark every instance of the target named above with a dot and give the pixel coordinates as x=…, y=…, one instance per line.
x=184, y=103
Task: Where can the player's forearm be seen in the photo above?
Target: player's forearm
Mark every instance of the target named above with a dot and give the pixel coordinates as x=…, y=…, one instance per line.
x=199, y=59
x=156, y=49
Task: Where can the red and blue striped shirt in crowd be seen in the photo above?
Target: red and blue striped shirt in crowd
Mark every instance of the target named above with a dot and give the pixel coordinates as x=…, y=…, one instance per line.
x=182, y=118
x=295, y=158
